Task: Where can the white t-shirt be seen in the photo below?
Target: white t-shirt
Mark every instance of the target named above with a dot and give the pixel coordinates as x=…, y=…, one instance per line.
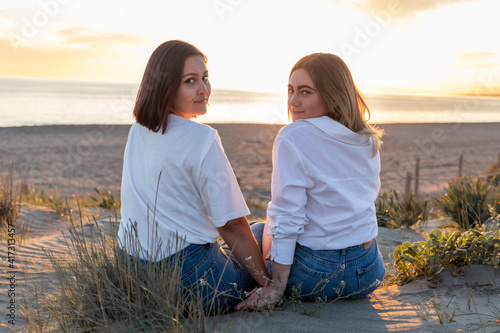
x=324, y=186
x=196, y=192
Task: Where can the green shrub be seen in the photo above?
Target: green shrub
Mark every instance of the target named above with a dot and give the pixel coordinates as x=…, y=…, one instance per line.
x=383, y=207
x=468, y=202
x=442, y=250
x=394, y=213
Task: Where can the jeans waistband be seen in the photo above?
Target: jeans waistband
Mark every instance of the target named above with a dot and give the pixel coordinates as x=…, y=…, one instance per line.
x=366, y=245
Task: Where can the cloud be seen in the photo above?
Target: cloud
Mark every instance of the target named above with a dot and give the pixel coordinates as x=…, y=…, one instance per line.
x=475, y=56
x=404, y=8
x=74, y=52
x=77, y=35
x=477, y=61
x=31, y=37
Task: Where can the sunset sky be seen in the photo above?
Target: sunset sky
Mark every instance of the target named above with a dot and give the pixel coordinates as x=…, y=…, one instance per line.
x=403, y=46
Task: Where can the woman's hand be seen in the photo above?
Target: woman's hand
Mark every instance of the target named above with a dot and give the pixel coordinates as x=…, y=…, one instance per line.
x=262, y=298
x=265, y=298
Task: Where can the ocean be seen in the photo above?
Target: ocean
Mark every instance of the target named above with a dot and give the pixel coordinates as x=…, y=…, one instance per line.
x=36, y=102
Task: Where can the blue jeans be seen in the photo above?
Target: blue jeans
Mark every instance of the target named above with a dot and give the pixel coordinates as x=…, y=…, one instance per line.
x=351, y=273
x=212, y=271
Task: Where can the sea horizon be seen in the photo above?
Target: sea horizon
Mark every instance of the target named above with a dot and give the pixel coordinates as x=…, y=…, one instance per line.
x=41, y=102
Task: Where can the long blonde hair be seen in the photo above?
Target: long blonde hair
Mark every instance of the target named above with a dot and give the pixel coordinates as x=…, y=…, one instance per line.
x=336, y=88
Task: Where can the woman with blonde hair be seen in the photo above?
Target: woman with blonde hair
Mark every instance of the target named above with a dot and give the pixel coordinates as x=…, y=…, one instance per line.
x=321, y=222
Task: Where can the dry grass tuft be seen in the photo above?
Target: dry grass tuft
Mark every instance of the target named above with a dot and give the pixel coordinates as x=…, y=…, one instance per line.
x=9, y=199
x=99, y=288
x=10, y=208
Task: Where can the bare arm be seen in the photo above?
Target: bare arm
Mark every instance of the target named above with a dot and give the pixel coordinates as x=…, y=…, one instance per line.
x=239, y=237
x=280, y=275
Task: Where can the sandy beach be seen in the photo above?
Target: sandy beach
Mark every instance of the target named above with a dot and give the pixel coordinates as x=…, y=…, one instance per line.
x=77, y=159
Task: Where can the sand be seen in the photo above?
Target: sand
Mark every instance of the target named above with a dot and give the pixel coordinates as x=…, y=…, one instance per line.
x=77, y=159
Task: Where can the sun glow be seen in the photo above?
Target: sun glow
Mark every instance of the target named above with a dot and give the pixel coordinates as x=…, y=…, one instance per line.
x=390, y=46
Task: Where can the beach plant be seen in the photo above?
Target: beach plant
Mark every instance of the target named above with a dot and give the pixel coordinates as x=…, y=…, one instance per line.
x=383, y=207
x=36, y=318
x=429, y=258
x=99, y=288
x=53, y=200
x=395, y=213
x=12, y=228
x=296, y=297
x=492, y=317
x=105, y=200
x=9, y=199
x=443, y=317
x=493, y=172
x=469, y=202
x=493, y=223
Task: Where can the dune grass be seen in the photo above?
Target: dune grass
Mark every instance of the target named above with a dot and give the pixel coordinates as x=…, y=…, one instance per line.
x=470, y=202
x=9, y=199
x=54, y=200
x=10, y=208
x=96, y=287
x=99, y=288
x=393, y=212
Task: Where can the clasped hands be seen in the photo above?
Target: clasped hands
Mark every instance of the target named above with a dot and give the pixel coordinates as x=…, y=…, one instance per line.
x=261, y=298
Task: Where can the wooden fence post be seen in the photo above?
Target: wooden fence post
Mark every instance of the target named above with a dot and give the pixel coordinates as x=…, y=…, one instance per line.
x=460, y=165
x=408, y=186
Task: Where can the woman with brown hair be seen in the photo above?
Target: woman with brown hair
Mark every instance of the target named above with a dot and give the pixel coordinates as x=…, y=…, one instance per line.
x=321, y=219
x=179, y=192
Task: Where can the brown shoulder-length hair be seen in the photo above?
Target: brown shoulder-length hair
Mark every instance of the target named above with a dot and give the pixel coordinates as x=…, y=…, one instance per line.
x=161, y=80
x=336, y=88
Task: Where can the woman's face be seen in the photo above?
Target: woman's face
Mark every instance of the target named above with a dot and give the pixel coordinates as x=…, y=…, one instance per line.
x=303, y=98
x=192, y=96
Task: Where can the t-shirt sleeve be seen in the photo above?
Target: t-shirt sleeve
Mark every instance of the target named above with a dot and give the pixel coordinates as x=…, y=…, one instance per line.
x=286, y=211
x=218, y=187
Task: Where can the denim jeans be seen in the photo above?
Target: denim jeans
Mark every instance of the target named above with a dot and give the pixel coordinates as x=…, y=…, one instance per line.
x=214, y=273
x=351, y=273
